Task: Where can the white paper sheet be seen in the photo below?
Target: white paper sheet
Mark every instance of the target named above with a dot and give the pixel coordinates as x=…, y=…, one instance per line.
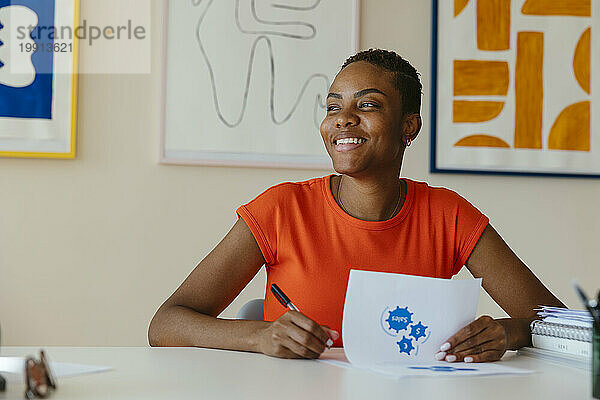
x=437, y=368
x=564, y=316
x=441, y=368
x=395, y=318
x=14, y=368
x=394, y=324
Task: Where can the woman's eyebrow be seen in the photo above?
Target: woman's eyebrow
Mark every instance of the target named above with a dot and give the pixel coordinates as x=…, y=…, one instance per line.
x=365, y=91
x=357, y=94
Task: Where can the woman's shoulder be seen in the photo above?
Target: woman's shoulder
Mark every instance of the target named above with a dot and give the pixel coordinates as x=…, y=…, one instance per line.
x=435, y=194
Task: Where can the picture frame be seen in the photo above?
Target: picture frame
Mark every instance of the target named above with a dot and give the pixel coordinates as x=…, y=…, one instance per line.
x=38, y=88
x=541, y=108
x=257, y=105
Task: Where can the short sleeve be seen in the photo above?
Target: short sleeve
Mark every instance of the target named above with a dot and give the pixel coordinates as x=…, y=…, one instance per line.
x=469, y=225
x=262, y=215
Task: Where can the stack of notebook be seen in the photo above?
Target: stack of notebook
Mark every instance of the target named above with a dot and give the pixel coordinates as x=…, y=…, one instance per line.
x=562, y=334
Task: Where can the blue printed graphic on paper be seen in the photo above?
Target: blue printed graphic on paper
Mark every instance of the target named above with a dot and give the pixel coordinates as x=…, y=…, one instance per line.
x=33, y=99
x=396, y=319
x=443, y=368
x=418, y=331
x=399, y=319
x=405, y=345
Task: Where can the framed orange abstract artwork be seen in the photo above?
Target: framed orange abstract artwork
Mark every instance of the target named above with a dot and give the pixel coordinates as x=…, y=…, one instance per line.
x=513, y=89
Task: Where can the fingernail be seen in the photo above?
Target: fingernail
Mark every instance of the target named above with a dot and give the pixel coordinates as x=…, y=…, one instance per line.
x=451, y=358
x=329, y=342
x=335, y=335
x=440, y=356
x=445, y=346
x=468, y=359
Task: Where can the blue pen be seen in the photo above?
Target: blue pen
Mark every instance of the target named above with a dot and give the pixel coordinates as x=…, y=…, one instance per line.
x=283, y=299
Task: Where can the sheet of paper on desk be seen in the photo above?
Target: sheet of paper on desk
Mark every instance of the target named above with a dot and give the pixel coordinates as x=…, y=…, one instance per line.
x=441, y=368
x=14, y=367
x=437, y=368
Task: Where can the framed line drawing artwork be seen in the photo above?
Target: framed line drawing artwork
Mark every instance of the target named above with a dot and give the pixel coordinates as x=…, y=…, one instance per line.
x=512, y=87
x=246, y=80
x=38, y=79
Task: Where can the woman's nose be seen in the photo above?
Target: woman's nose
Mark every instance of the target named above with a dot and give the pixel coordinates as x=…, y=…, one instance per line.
x=346, y=119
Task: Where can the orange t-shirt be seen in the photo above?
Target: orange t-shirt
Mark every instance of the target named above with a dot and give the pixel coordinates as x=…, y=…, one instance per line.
x=310, y=244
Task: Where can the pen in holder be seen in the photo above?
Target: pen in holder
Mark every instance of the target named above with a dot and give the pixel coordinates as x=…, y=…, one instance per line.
x=2, y=384
x=593, y=306
x=596, y=363
x=2, y=380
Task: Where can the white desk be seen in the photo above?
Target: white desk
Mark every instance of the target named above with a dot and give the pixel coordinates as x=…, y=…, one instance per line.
x=184, y=373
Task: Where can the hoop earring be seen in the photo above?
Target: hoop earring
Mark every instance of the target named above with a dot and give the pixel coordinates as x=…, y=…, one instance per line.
x=408, y=142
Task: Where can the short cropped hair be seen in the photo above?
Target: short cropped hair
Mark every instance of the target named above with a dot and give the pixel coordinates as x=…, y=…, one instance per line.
x=406, y=78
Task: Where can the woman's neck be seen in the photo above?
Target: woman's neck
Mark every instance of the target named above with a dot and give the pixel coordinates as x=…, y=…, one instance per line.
x=369, y=198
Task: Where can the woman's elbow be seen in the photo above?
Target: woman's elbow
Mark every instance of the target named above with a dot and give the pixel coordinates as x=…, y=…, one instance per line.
x=153, y=339
x=154, y=331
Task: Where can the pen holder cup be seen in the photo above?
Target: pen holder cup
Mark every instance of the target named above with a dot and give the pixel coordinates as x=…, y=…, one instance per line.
x=596, y=364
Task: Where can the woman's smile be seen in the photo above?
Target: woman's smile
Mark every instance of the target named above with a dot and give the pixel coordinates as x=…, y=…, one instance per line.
x=348, y=146
x=345, y=142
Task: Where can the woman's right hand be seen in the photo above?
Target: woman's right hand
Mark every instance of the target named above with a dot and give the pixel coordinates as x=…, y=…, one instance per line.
x=294, y=335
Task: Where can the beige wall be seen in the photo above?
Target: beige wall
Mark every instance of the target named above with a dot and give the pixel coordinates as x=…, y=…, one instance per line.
x=90, y=248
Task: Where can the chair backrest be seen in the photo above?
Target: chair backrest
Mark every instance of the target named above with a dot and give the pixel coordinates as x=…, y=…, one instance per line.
x=252, y=310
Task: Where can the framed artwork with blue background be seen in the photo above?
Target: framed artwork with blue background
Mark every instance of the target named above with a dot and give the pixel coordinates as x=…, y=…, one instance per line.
x=512, y=87
x=38, y=78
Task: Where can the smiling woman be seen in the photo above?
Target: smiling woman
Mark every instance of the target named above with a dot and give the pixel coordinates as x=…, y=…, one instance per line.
x=311, y=234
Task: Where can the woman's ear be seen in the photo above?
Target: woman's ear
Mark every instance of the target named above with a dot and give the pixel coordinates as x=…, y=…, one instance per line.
x=411, y=126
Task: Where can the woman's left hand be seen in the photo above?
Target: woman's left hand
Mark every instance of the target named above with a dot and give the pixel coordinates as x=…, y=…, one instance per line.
x=485, y=339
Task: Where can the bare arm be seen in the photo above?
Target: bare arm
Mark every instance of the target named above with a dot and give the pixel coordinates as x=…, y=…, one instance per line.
x=510, y=283
x=515, y=288
x=188, y=317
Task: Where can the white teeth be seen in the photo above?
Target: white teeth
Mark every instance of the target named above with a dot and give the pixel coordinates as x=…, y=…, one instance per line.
x=350, y=140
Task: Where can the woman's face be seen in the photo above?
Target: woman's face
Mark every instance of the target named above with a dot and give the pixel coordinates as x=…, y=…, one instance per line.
x=363, y=106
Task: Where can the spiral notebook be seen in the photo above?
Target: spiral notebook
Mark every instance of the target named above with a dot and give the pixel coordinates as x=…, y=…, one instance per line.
x=563, y=331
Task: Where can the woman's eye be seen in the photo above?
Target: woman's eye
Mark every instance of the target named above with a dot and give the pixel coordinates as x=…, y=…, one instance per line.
x=368, y=104
x=332, y=108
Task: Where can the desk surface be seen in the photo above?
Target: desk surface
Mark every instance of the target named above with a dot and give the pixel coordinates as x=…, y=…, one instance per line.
x=190, y=373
